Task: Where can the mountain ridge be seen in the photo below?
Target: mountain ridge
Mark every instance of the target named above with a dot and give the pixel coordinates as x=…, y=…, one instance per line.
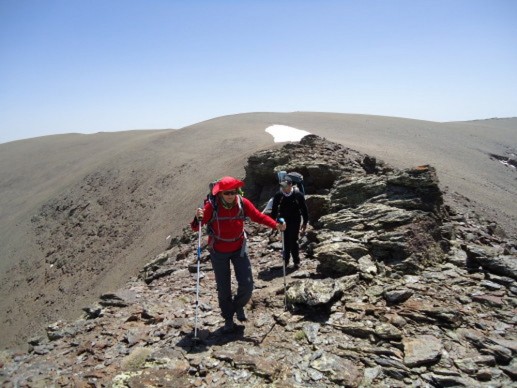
x=396, y=288
x=175, y=165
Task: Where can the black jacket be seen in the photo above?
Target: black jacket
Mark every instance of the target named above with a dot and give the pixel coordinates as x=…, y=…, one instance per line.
x=292, y=208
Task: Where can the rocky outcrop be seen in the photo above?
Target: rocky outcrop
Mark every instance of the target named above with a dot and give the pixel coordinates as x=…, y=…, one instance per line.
x=395, y=289
x=395, y=216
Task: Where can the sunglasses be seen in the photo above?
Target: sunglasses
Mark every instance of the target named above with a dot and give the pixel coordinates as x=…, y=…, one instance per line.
x=229, y=192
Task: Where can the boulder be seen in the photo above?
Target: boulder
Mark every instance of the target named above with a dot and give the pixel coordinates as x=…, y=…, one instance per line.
x=398, y=295
x=342, y=221
x=366, y=265
x=387, y=331
x=368, y=216
x=504, y=265
x=415, y=188
x=313, y=292
x=339, y=258
x=422, y=350
x=317, y=206
x=122, y=298
x=355, y=190
x=338, y=369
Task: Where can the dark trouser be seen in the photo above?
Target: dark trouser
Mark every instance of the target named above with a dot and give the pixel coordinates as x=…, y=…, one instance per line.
x=242, y=266
x=291, y=242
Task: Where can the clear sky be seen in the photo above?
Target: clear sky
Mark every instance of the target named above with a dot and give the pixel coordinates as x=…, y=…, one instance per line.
x=111, y=65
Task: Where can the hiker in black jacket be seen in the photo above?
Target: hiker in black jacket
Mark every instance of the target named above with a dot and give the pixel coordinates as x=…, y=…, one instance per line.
x=289, y=203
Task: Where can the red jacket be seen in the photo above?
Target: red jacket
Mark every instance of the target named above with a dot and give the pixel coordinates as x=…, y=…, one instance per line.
x=231, y=229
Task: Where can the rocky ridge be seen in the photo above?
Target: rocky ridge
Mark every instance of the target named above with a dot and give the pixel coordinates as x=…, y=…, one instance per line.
x=395, y=289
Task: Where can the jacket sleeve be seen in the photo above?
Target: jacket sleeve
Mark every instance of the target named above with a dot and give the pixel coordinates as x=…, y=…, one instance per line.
x=255, y=215
x=274, y=209
x=207, y=216
x=303, y=208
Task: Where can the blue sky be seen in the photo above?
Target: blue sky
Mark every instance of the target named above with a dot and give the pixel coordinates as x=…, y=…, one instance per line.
x=111, y=65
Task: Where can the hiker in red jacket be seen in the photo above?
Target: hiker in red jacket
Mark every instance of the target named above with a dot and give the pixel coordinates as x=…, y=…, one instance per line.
x=224, y=216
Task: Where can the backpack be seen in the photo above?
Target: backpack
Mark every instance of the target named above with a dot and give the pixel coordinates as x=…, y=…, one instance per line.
x=296, y=177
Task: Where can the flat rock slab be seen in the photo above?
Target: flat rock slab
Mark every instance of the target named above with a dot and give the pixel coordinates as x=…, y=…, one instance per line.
x=422, y=350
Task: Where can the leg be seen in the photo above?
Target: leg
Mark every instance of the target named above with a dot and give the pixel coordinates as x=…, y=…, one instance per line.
x=295, y=250
x=286, y=247
x=244, y=276
x=291, y=242
x=222, y=271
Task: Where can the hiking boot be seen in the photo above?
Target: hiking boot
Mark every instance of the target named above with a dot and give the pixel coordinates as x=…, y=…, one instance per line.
x=229, y=326
x=240, y=315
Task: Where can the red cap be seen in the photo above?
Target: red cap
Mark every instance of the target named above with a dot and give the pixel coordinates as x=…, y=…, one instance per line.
x=227, y=183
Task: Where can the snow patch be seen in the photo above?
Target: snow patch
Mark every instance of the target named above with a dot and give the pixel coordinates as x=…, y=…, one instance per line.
x=283, y=133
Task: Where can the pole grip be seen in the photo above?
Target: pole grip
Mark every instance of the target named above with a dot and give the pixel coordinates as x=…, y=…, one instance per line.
x=199, y=240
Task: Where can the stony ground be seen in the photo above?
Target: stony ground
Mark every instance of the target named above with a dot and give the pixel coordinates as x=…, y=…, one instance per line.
x=395, y=289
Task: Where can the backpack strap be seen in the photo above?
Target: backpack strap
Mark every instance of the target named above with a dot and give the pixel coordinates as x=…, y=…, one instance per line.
x=241, y=215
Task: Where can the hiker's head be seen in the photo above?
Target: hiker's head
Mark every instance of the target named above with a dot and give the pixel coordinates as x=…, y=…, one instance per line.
x=227, y=187
x=286, y=184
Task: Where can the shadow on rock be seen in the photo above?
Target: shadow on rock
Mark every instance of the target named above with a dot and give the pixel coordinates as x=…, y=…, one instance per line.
x=207, y=339
x=274, y=272
x=318, y=314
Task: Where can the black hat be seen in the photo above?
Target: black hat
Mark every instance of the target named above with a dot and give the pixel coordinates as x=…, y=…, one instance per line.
x=286, y=181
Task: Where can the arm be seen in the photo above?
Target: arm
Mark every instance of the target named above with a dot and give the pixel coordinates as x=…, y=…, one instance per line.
x=207, y=216
x=274, y=208
x=256, y=216
x=303, y=209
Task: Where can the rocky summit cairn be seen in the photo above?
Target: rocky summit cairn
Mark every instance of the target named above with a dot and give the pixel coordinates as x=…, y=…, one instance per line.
x=395, y=289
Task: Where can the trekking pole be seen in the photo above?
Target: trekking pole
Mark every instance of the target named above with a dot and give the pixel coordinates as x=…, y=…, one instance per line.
x=282, y=221
x=196, y=338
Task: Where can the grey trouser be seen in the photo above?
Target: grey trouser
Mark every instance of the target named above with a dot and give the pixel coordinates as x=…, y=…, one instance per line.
x=222, y=270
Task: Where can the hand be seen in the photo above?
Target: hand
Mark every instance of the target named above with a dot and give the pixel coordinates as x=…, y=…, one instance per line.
x=199, y=214
x=302, y=230
x=281, y=226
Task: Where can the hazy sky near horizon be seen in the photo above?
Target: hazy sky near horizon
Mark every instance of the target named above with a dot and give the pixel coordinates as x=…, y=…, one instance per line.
x=111, y=65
